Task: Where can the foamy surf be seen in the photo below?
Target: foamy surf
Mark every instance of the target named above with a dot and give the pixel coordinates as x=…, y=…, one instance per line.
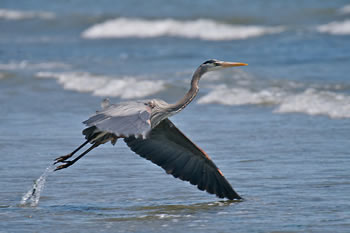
x=9, y=14
x=32, y=197
x=336, y=28
x=124, y=87
x=242, y=96
x=315, y=102
x=204, y=29
x=311, y=101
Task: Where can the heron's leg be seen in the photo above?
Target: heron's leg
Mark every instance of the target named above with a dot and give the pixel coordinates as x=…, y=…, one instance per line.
x=69, y=163
x=64, y=157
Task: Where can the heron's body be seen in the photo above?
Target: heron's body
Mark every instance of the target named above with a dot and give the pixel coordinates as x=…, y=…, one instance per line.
x=146, y=129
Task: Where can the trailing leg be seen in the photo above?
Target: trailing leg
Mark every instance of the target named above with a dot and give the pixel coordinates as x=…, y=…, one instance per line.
x=71, y=162
x=65, y=157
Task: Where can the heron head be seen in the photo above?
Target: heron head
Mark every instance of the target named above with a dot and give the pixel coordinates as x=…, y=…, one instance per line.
x=214, y=64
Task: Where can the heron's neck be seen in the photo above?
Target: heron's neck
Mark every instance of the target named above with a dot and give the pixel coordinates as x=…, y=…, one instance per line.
x=189, y=96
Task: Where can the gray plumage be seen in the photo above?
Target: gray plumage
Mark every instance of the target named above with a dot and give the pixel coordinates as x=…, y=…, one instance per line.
x=184, y=160
x=124, y=119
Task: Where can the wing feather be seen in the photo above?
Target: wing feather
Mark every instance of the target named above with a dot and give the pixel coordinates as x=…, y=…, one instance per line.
x=169, y=148
x=124, y=119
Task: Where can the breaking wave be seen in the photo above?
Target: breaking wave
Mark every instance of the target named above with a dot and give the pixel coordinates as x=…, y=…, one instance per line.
x=283, y=96
x=316, y=102
x=201, y=29
x=336, y=28
x=241, y=96
x=20, y=15
x=125, y=87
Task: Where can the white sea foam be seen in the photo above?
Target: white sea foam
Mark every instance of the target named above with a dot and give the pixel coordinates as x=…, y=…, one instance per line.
x=202, y=28
x=35, y=66
x=124, y=87
x=310, y=101
x=9, y=14
x=336, y=28
x=242, y=96
x=315, y=102
x=345, y=9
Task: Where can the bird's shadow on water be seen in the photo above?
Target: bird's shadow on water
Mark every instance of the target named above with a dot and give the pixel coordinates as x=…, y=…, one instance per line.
x=157, y=212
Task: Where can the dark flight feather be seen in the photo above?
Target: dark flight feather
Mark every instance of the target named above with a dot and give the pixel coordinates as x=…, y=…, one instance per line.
x=169, y=148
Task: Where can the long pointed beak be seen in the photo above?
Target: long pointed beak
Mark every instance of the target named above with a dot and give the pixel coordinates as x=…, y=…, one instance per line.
x=231, y=64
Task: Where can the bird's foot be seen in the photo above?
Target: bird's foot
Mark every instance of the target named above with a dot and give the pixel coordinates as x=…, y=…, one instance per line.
x=62, y=158
x=65, y=165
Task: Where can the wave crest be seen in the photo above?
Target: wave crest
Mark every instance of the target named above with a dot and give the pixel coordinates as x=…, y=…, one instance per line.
x=310, y=101
x=242, y=96
x=125, y=87
x=336, y=28
x=202, y=29
x=315, y=102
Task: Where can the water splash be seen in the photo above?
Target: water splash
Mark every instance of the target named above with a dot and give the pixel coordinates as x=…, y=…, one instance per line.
x=31, y=198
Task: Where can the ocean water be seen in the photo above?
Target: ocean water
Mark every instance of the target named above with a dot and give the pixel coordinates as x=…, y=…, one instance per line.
x=278, y=128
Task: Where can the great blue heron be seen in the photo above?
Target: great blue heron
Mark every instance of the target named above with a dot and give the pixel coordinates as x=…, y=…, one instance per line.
x=146, y=129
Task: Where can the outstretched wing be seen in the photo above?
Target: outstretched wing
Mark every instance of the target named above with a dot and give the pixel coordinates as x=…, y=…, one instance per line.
x=169, y=148
x=124, y=119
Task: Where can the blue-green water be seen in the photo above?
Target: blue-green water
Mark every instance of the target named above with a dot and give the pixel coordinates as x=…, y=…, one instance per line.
x=278, y=128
